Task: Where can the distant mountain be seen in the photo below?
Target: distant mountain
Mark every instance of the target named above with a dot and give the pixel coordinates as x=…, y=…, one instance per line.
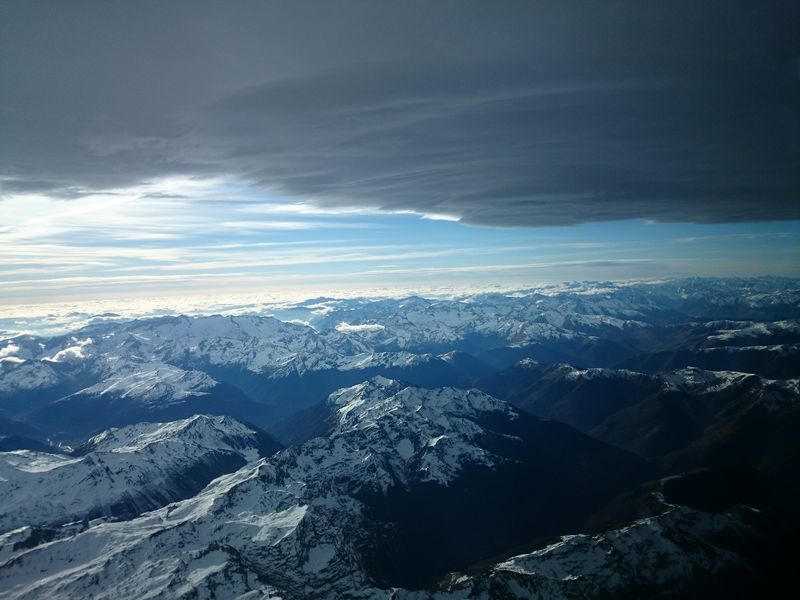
x=683, y=419
x=263, y=370
x=778, y=361
x=153, y=392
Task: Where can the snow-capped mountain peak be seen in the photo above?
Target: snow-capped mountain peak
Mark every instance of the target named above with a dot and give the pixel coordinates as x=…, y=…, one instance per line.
x=432, y=434
x=203, y=431
x=150, y=383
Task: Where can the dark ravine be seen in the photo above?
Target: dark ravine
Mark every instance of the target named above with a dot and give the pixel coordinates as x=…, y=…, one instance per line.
x=549, y=483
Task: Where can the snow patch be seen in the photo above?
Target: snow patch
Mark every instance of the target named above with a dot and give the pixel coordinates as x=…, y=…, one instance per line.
x=405, y=448
x=319, y=556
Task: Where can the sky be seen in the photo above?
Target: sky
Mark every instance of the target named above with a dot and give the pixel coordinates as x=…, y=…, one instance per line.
x=164, y=148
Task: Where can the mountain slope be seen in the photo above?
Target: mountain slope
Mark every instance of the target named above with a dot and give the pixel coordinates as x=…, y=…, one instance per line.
x=684, y=551
x=143, y=392
x=123, y=472
x=683, y=419
x=304, y=522
x=651, y=415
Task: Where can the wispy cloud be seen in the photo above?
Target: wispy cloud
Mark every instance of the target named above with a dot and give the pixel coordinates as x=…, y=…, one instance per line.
x=180, y=233
x=297, y=225
x=516, y=267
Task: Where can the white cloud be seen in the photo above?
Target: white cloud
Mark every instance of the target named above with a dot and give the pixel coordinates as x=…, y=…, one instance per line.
x=297, y=225
x=14, y=360
x=72, y=353
x=9, y=350
x=305, y=209
x=359, y=328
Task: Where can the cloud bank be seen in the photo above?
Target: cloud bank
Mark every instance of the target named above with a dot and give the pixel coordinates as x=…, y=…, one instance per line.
x=497, y=114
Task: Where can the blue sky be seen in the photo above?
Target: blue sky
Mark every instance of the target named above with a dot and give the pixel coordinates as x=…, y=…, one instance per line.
x=184, y=235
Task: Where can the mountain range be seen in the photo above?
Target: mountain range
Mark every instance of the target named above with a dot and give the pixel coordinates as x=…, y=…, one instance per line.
x=585, y=440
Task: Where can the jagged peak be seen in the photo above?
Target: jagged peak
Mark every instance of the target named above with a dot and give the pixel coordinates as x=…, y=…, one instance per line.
x=135, y=437
x=376, y=388
x=355, y=402
x=694, y=379
x=600, y=372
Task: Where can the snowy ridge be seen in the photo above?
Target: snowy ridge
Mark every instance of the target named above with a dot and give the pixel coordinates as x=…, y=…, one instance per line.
x=124, y=471
x=415, y=322
x=21, y=375
x=777, y=349
x=727, y=331
x=385, y=359
x=257, y=344
x=204, y=431
x=775, y=394
x=162, y=360
x=153, y=383
x=573, y=374
x=422, y=434
x=656, y=553
x=692, y=379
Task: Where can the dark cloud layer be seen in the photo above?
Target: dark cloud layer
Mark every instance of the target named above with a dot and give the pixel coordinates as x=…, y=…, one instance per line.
x=529, y=113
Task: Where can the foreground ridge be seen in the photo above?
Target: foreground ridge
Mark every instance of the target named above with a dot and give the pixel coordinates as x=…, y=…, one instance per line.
x=317, y=520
